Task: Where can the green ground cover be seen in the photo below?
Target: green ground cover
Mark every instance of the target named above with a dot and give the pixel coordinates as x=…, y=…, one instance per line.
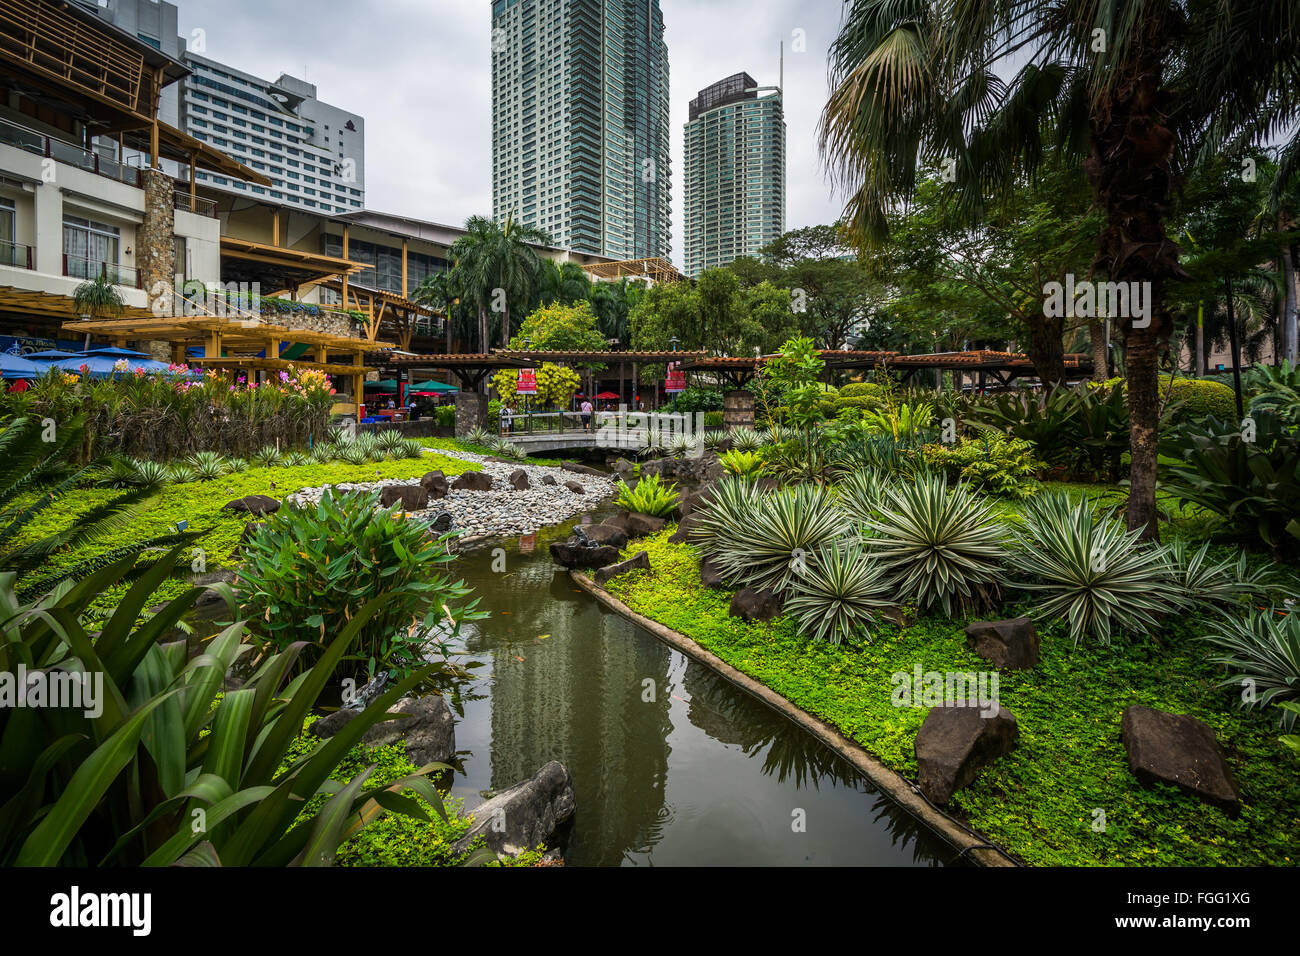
x=1041, y=802
x=455, y=444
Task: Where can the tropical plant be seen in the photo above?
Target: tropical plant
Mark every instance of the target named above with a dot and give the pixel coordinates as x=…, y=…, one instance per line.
x=715, y=441
x=993, y=464
x=787, y=526
x=941, y=546
x=479, y=436
x=206, y=465
x=491, y=256
x=744, y=464
x=267, y=456
x=322, y=452
x=390, y=440
x=899, y=421
x=1251, y=480
x=410, y=448
x=1262, y=650
x=98, y=298
x=307, y=571
x=649, y=496
x=295, y=459
x=838, y=595
x=683, y=446
x=733, y=504
x=1206, y=583
x=166, y=744
x=1090, y=570
x=353, y=453
x=236, y=465
x=745, y=439
x=1278, y=392
x=860, y=493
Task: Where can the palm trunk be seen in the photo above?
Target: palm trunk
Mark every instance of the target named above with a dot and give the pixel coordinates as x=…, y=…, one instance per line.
x=1290, y=331
x=1100, y=352
x=1045, y=347
x=448, y=329
x=1129, y=169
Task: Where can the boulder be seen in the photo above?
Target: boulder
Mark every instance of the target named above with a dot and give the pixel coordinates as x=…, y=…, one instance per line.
x=524, y=816
x=1009, y=644
x=1178, y=749
x=623, y=467
x=606, y=534
x=548, y=479
x=571, y=554
x=751, y=605
x=410, y=497
x=426, y=728
x=684, y=527
x=582, y=469
x=955, y=743
x=442, y=522
x=474, y=481
x=518, y=480
x=710, y=575
x=640, y=525
x=435, y=483
x=576, y=488
x=640, y=560
x=619, y=520
x=331, y=724
x=692, y=500
x=253, y=504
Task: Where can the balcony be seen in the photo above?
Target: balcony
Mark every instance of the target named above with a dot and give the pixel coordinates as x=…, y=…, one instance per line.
x=15, y=254
x=77, y=267
x=196, y=204
x=12, y=134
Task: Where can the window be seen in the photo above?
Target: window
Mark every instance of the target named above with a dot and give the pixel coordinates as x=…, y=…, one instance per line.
x=90, y=248
x=8, y=251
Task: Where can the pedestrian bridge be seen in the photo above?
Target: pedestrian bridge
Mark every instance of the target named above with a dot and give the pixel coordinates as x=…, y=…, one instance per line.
x=618, y=432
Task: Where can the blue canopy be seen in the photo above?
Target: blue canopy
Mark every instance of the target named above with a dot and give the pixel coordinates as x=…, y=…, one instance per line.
x=115, y=352
x=15, y=366
x=49, y=355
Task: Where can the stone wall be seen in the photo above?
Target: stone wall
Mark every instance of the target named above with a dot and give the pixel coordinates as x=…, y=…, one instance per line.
x=155, y=249
x=331, y=323
x=471, y=412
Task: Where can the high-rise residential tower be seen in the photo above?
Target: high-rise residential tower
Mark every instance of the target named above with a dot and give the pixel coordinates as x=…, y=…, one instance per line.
x=734, y=171
x=580, y=123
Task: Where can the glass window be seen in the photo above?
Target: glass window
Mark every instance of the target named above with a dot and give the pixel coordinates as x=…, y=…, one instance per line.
x=90, y=248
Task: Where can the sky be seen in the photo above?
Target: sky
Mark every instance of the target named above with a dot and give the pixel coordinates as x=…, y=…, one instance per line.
x=418, y=72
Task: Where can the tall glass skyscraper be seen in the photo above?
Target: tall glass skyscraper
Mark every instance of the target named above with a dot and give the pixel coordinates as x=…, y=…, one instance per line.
x=580, y=123
x=734, y=172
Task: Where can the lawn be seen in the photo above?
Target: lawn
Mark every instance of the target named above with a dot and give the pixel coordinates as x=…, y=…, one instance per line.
x=1043, y=802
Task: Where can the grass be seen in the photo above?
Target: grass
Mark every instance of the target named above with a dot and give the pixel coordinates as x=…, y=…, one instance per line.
x=1039, y=802
x=200, y=503
x=455, y=444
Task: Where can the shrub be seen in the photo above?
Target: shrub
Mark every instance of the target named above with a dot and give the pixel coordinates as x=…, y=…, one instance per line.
x=1277, y=392
x=994, y=465
x=745, y=464
x=308, y=571
x=1263, y=649
x=941, y=546
x=445, y=415
x=745, y=439
x=786, y=527
x=713, y=419
x=1253, y=485
x=649, y=497
x=1091, y=570
x=838, y=594
x=206, y=466
x=1192, y=399
x=862, y=390
x=266, y=457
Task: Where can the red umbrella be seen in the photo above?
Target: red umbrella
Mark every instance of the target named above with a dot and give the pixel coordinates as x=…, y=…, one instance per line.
x=606, y=396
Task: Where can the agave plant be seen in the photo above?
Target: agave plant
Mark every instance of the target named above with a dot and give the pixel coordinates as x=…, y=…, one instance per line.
x=236, y=465
x=786, y=529
x=353, y=453
x=149, y=475
x=119, y=472
x=1208, y=583
x=683, y=446
x=267, y=456
x=733, y=504
x=650, y=496
x=1091, y=570
x=171, y=745
x=838, y=594
x=1262, y=650
x=180, y=472
x=409, y=448
x=743, y=464
x=479, y=436
x=371, y=445
x=322, y=452
x=941, y=546
x=777, y=434
x=390, y=440
x=745, y=439
x=295, y=459
x=206, y=465
x=861, y=493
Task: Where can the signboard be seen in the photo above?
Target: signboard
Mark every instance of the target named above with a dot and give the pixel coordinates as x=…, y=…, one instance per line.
x=527, y=384
x=676, y=381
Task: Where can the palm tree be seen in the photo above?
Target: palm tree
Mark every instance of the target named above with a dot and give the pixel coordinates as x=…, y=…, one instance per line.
x=98, y=298
x=565, y=283
x=497, y=264
x=1134, y=89
x=440, y=291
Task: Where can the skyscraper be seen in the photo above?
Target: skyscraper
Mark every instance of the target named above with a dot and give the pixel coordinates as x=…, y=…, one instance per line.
x=580, y=123
x=734, y=173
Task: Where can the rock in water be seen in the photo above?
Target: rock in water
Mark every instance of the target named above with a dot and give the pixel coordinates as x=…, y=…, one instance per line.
x=426, y=728
x=605, y=534
x=524, y=816
x=1178, y=749
x=571, y=554
x=640, y=560
x=1011, y=644
x=955, y=743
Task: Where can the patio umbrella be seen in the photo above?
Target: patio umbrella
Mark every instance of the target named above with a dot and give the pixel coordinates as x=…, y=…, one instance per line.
x=100, y=365
x=606, y=396
x=440, y=387
x=388, y=383
x=49, y=355
x=15, y=366
x=115, y=352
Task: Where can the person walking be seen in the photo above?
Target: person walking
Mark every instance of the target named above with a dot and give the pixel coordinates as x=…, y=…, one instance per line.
x=586, y=414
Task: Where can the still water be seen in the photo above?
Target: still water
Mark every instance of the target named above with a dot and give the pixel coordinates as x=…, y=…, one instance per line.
x=703, y=774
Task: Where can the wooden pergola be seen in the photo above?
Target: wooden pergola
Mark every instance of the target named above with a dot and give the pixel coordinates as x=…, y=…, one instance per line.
x=398, y=312
x=470, y=368
x=656, y=269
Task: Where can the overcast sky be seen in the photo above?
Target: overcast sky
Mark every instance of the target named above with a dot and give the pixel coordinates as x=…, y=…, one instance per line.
x=418, y=72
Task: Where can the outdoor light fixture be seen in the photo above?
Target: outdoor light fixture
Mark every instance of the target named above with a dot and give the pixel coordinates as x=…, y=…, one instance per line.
x=182, y=525
x=528, y=343
x=674, y=342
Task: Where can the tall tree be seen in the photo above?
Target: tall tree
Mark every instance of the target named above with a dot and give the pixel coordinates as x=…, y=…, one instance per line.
x=1134, y=88
x=497, y=264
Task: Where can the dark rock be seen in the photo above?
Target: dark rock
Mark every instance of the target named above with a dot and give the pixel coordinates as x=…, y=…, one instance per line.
x=955, y=743
x=253, y=504
x=684, y=527
x=518, y=480
x=331, y=724
x=581, y=469
x=474, y=481
x=607, y=534
x=710, y=575
x=690, y=501
x=623, y=466
x=619, y=520
x=576, y=488
x=548, y=479
x=640, y=525
x=640, y=560
x=521, y=817
x=410, y=497
x=1178, y=749
x=441, y=523
x=751, y=605
x=426, y=728
x=250, y=529
x=1011, y=644
x=435, y=483
x=571, y=555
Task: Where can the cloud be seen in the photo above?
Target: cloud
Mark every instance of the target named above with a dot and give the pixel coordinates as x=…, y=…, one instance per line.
x=419, y=73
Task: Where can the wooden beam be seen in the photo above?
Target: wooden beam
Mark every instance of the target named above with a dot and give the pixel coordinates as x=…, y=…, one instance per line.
x=275, y=226
x=404, y=289
x=345, y=275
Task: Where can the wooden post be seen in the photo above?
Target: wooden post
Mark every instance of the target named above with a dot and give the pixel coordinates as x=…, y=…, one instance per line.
x=345, y=275
x=193, y=202
x=403, y=267
x=275, y=226
x=273, y=348
x=212, y=349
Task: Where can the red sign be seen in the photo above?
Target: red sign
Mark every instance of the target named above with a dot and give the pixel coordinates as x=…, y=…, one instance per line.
x=527, y=384
x=676, y=381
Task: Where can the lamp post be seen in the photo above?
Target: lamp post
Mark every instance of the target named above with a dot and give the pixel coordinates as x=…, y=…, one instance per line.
x=528, y=344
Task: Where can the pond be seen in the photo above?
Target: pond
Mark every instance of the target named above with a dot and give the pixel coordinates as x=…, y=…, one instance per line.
x=672, y=764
